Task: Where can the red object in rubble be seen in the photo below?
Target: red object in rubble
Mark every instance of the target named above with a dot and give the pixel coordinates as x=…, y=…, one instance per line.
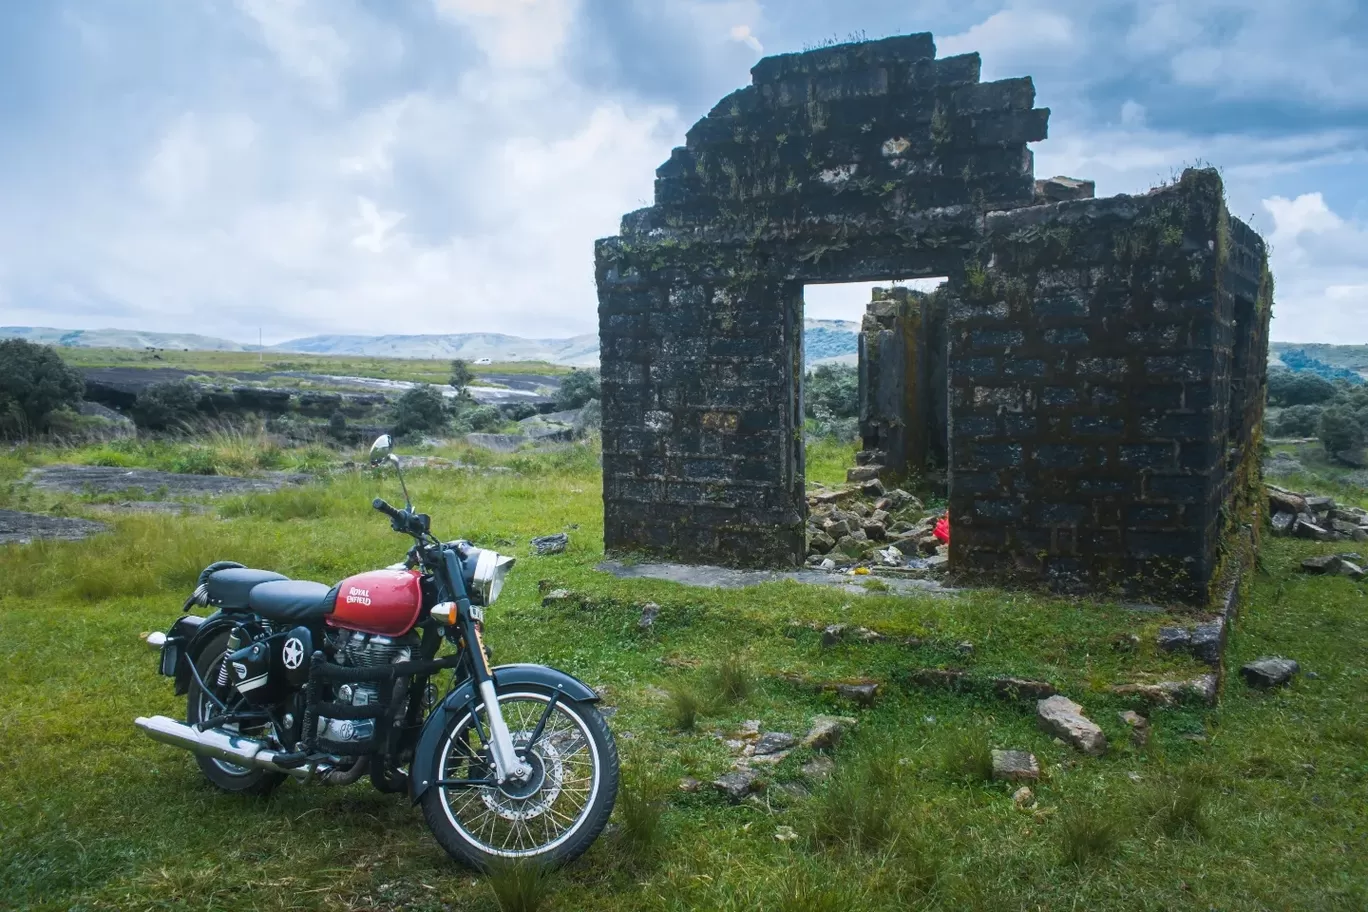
x=942, y=530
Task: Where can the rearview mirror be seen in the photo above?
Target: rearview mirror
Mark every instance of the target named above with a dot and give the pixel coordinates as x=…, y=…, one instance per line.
x=381, y=449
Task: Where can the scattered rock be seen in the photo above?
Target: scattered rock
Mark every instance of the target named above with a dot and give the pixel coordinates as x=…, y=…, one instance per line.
x=863, y=473
x=818, y=768
x=1023, y=798
x=1269, y=671
x=773, y=743
x=1283, y=523
x=965, y=648
x=1139, y=727
x=737, y=784
x=649, y=612
x=559, y=598
x=822, y=542
x=1015, y=766
x=937, y=677
x=1063, y=718
x=1321, y=564
x=785, y=834
x=1172, y=639
x=826, y=731
x=551, y=544
x=689, y=784
x=1018, y=688
x=1208, y=639
x=77, y=479
x=1165, y=693
x=862, y=694
x=832, y=635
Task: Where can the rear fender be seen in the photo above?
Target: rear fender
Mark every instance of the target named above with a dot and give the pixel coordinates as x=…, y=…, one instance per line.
x=190, y=650
x=423, y=771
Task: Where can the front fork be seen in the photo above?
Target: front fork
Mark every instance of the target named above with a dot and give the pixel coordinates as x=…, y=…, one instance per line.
x=507, y=763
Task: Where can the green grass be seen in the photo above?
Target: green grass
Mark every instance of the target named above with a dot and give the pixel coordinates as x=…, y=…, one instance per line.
x=1266, y=812
x=418, y=370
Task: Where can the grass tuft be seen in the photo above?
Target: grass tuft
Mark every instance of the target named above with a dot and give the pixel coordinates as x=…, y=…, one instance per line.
x=860, y=809
x=968, y=756
x=1178, y=810
x=1088, y=833
x=642, y=799
x=520, y=886
x=732, y=680
x=682, y=707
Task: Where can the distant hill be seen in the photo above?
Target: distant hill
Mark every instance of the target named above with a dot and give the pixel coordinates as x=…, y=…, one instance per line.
x=576, y=351
x=1303, y=356
x=120, y=338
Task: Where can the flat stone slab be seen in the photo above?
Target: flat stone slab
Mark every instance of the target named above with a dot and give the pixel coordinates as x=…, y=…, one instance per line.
x=1269, y=671
x=1015, y=766
x=26, y=527
x=725, y=578
x=1063, y=718
x=78, y=479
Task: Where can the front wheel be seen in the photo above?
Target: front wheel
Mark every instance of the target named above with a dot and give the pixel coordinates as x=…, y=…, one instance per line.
x=550, y=819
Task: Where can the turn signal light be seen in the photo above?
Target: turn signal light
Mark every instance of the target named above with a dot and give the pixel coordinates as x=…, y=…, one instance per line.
x=445, y=613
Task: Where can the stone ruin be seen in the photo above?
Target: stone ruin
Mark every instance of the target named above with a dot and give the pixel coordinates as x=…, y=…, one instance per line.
x=1091, y=373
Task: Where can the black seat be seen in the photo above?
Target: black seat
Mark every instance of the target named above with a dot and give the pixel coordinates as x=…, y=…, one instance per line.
x=292, y=600
x=230, y=588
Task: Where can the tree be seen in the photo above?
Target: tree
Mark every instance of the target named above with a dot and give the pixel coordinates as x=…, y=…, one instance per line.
x=34, y=383
x=461, y=377
x=1286, y=388
x=421, y=408
x=577, y=389
x=1341, y=435
x=166, y=405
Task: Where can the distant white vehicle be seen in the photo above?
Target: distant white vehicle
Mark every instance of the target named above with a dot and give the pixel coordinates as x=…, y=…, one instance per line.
x=483, y=361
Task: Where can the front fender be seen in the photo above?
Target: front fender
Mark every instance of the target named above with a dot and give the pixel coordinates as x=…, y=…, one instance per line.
x=423, y=770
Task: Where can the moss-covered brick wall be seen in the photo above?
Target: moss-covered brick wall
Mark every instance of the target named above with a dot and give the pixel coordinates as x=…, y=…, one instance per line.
x=1107, y=369
x=852, y=163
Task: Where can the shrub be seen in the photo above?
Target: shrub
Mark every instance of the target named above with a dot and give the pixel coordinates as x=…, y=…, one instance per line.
x=577, y=389
x=968, y=757
x=590, y=418
x=34, y=383
x=1340, y=433
x=860, y=807
x=831, y=397
x=420, y=409
x=1178, y=809
x=1296, y=421
x=167, y=405
x=517, y=411
x=337, y=425
x=472, y=417
x=520, y=886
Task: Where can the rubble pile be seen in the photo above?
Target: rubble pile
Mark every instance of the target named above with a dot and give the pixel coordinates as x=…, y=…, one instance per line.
x=862, y=525
x=1313, y=517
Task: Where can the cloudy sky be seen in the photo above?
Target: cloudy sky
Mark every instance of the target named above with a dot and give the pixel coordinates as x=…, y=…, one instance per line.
x=444, y=165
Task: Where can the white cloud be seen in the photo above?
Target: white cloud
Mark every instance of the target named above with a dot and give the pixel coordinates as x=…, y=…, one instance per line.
x=1132, y=115
x=515, y=34
x=309, y=48
x=1322, y=276
x=1010, y=36
x=743, y=34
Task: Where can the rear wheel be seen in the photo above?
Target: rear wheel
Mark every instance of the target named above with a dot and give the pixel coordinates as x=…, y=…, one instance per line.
x=230, y=777
x=551, y=819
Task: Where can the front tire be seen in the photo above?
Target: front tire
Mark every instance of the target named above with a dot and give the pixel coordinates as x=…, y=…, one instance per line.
x=550, y=821
x=227, y=776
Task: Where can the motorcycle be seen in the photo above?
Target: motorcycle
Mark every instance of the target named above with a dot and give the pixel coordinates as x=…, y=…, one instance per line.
x=288, y=679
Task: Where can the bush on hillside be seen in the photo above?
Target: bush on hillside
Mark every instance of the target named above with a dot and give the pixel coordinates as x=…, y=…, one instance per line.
x=577, y=389
x=421, y=409
x=1297, y=421
x=831, y=401
x=34, y=383
x=1287, y=388
x=167, y=405
x=1342, y=435
x=472, y=417
x=461, y=376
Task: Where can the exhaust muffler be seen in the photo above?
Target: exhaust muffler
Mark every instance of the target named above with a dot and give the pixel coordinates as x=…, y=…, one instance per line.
x=219, y=744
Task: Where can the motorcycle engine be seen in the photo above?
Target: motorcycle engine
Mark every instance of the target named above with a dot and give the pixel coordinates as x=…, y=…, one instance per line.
x=361, y=650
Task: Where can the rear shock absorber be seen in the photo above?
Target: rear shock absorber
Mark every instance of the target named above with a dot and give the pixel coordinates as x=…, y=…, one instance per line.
x=234, y=644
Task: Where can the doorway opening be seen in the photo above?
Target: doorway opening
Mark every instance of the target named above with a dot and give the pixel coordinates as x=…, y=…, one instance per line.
x=873, y=382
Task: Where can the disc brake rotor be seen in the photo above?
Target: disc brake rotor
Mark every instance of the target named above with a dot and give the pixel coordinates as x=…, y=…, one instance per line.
x=524, y=801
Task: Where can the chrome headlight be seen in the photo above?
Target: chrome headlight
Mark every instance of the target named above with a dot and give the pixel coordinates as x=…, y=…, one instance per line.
x=490, y=570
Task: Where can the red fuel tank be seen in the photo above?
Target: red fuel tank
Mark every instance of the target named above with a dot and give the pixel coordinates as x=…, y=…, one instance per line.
x=386, y=602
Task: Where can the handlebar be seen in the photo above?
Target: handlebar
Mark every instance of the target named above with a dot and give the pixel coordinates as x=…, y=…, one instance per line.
x=396, y=515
